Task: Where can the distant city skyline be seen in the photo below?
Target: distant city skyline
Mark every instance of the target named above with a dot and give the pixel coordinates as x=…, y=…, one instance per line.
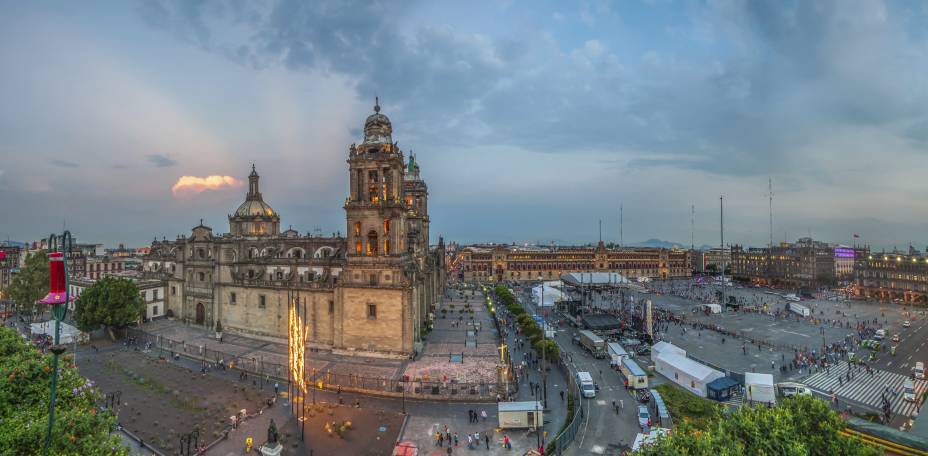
x=132, y=121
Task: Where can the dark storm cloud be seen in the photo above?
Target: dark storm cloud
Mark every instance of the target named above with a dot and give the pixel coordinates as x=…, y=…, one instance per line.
x=63, y=163
x=780, y=75
x=161, y=161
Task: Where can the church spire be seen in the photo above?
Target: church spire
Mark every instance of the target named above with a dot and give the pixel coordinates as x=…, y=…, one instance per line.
x=253, y=192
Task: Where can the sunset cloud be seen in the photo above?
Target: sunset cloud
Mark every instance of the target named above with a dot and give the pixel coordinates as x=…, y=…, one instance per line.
x=198, y=184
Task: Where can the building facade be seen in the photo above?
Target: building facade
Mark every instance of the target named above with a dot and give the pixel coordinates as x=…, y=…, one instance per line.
x=370, y=292
x=152, y=292
x=897, y=276
x=712, y=260
x=503, y=262
x=804, y=264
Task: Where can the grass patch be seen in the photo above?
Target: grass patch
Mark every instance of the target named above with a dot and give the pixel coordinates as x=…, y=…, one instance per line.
x=686, y=406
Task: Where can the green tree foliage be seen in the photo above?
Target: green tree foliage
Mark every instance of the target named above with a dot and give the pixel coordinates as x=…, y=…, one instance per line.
x=111, y=302
x=25, y=379
x=31, y=283
x=800, y=425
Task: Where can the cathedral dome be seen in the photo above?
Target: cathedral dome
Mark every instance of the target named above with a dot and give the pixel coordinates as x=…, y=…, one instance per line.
x=254, y=208
x=377, y=127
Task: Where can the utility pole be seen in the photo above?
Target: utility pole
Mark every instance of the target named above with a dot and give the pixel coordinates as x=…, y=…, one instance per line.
x=621, y=228
x=600, y=230
x=693, y=227
x=722, y=239
x=770, y=193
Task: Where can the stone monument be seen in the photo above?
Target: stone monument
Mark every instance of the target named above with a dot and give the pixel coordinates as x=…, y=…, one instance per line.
x=272, y=447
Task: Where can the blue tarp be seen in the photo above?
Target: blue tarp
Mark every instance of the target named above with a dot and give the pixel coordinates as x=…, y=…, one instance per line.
x=720, y=388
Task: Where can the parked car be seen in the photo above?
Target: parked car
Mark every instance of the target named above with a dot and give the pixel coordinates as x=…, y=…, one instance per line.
x=906, y=324
x=644, y=417
x=895, y=338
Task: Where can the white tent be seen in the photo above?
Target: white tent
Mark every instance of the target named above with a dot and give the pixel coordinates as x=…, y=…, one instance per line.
x=67, y=333
x=552, y=294
x=685, y=372
x=666, y=348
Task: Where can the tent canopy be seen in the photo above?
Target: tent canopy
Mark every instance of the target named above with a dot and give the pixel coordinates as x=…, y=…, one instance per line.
x=67, y=333
x=552, y=295
x=696, y=370
x=663, y=347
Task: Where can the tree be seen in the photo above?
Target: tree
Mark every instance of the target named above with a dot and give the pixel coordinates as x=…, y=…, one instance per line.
x=31, y=283
x=800, y=425
x=80, y=428
x=111, y=302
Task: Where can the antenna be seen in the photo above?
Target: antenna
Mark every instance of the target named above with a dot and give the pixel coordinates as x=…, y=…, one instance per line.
x=693, y=227
x=621, y=228
x=770, y=192
x=722, y=238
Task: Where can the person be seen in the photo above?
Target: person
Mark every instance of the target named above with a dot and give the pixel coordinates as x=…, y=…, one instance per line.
x=506, y=442
x=440, y=439
x=470, y=442
x=437, y=438
x=562, y=395
x=276, y=389
x=455, y=439
x=483, y=414
x=449, y=450
x=487, y=437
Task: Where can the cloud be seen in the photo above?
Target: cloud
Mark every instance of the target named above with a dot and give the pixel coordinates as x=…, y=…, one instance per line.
x=64, y=163
x=161, y=161
x=200, y=184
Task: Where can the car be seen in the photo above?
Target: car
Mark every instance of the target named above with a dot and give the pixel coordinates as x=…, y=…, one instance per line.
x=895, y=338
x=644, y=417
x=906, y=324
x=788, y=389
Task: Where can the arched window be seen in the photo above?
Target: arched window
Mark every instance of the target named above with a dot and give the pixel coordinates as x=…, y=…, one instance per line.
x=357, y=247
x=357, y=229
x=386, y=246
x=372, y=243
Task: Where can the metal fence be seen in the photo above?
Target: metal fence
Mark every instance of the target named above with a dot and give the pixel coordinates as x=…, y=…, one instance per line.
x=563, y=439
x=258, y=368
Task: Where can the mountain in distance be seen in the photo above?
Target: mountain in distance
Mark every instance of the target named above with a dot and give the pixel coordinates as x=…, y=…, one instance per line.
x=659, y=243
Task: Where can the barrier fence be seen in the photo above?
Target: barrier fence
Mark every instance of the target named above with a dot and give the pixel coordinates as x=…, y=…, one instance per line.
x=260, y=369
x=564, y=438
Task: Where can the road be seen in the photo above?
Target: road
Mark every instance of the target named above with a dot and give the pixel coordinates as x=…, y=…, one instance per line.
x=602, y=430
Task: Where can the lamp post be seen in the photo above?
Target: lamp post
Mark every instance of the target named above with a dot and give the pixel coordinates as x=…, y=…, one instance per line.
x=544, y=346
x=58, y=297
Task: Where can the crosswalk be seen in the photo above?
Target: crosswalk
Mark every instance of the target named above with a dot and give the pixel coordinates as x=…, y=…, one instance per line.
x=865, y=388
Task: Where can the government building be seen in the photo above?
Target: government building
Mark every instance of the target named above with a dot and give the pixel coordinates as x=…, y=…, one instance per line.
x=367, y=293
x=899, y=277
x=497, y=263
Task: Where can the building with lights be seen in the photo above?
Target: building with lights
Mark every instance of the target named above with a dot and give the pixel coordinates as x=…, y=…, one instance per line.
x=494, y=263
x=369, y=292
x=804, y=264
x=712, y=260
x=895, y=276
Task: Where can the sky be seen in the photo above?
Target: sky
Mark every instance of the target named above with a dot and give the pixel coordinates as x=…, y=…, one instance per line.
x=531, y=120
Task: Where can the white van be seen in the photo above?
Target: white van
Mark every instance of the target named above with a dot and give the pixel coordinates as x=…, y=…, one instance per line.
x=880, y=334
x=919, y=370
x=585, y=382
x=908, y=391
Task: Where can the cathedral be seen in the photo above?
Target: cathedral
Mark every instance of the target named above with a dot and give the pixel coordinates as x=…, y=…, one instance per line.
x=369, y=293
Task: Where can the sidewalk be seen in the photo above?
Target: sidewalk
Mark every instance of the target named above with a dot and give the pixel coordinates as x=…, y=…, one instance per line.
x=423, y=424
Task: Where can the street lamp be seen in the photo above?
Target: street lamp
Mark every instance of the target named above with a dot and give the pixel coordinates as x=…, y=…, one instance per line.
x=58, y=297
x=544, y=345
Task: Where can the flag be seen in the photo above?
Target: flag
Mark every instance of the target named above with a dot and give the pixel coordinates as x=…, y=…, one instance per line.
x=856, y=236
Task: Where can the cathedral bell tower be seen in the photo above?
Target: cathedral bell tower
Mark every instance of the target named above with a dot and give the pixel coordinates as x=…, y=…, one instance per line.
x=374, y=290
x=375, y=206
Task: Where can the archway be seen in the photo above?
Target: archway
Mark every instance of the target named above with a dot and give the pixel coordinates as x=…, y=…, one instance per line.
x=201, y=313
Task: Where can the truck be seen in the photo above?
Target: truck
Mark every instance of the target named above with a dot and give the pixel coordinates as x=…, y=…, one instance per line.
x=616, y=354
x=586, y=385
x=595, y=344
x=799, y=309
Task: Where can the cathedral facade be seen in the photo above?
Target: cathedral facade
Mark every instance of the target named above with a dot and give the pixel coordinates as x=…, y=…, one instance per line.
x=369, y=292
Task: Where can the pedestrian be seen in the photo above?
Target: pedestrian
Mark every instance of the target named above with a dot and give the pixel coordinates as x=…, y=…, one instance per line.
x=562, y=395
x=622, y=404
x=441, y=439
x=437, y=438
x=483, y=414
x=455, y=439
x=487, y=437
x=276, y=389
x=470, y=416
x=470, y=442
x=449, y=450
x=506, y=442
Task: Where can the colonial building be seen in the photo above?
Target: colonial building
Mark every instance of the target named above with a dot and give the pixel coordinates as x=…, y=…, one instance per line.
x=503, y=262
x=892, y=276
x=714, y=260
x=370, y=292
x=803, y=264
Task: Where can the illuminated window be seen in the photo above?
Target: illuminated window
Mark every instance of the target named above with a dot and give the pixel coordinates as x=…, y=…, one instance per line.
x=357, y=247
x=386, y=246
x=372, y=243
x=386, y=226
x=357, y=228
